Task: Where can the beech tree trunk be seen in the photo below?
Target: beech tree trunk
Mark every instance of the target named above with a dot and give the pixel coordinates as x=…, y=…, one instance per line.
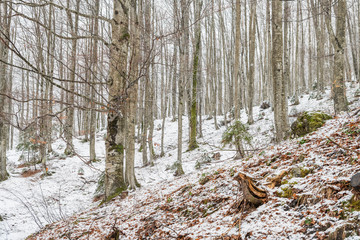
x=339, y=89
x=69, y=124
x=280, y=101
x=94, y=66
x=115, y=138
x=237, y=60
x=252, y=47
x=196, y=62
x=183, y=49
x=5, y=21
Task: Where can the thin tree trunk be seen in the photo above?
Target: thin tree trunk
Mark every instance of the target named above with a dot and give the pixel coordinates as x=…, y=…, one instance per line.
x=184, y=43
x=237, y=60
x=252, y=46
x=4, y=52
x=196, y=60
x=339, y=89
x=280, y=102
x=69, y=124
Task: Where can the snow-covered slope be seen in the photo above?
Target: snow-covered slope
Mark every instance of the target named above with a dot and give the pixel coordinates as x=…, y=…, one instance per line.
x=28, y=203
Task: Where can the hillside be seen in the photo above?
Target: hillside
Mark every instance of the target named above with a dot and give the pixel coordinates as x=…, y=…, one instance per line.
x=313, y=201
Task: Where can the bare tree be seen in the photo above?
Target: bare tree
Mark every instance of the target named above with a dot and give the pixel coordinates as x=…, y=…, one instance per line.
x=280, y=103
x=5, y=23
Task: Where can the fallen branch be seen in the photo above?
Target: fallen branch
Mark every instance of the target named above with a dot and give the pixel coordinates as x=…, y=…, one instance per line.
x=355, y=113
x=230, y=150
x=345, y=148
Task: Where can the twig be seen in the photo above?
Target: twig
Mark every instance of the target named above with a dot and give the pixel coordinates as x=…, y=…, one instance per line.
x=355, y=113
x=229, y=150
x=345, y=148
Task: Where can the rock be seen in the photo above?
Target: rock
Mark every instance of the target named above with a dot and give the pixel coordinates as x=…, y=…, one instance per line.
x=265, y=105
x=355, y=181
x=308, y=122
x=296, y=171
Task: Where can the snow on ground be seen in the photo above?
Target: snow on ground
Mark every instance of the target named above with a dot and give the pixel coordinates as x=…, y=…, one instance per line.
x=29, y=203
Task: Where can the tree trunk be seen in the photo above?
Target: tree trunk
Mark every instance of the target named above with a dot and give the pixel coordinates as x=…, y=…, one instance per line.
x=131, y=103
x=339, y=89
x=252, y=47
x=4, y=52
x=115, y=139
x=94, y=65
x=237, y=60
x=69, y=124
x=196, y=60
x=280, y=101
x=183, y=49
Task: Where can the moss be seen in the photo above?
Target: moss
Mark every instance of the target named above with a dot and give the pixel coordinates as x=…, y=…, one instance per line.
x=308, y=122
x=309, y=221
x=125, y=36
x=232, y=172
x=118, y=148
x=352, y=205
x=286, y=192
x=305, y=171
x=69, y=152
x=204, y=179
x=284, y=182
x=116, y=193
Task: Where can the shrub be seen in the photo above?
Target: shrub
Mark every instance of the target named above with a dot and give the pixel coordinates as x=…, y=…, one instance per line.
x=236, y=134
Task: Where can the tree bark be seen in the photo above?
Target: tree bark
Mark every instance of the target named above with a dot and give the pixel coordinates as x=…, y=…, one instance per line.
x=280, y=101
x=115, y=140
x=4, y=53
x=252, y=47
x=196, y=60
x=237, y=60
x=339, y=89
x=69, y=124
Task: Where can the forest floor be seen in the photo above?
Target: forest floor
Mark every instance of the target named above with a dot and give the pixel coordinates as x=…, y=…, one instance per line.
x=202, y=203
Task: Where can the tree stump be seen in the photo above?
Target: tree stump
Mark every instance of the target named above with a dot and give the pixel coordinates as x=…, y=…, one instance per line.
x=252, y=193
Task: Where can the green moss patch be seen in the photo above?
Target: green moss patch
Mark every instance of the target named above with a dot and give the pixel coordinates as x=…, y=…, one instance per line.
x=308, y=122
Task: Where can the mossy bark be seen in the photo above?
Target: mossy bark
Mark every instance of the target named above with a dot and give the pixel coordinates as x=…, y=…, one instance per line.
x=115, y=139
x=193, y=118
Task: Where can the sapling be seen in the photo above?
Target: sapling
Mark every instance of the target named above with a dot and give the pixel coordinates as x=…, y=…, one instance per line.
x=236, y=134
